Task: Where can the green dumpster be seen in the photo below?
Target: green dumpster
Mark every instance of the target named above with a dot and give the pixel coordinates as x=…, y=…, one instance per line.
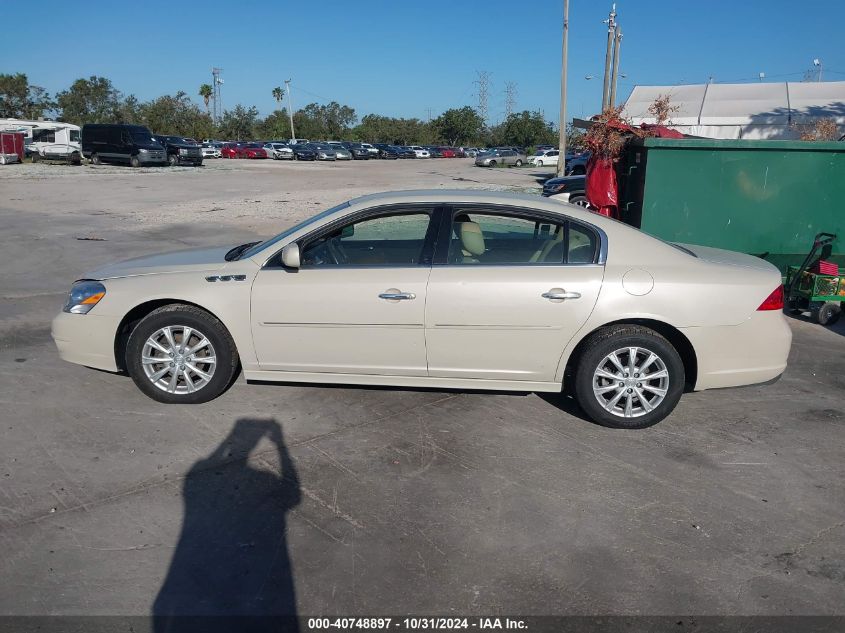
x=767, y=198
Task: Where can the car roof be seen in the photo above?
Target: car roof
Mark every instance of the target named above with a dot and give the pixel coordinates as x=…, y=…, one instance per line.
x=459, y=196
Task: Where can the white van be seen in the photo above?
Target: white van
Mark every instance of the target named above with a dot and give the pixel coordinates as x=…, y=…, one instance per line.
x=47, y=139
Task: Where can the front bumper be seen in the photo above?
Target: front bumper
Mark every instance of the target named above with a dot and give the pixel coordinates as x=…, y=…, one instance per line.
x=86, y=339
x=155, y=157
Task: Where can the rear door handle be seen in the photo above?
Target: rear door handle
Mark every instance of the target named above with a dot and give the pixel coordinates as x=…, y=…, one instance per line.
x=392, y=294
x=559, y=294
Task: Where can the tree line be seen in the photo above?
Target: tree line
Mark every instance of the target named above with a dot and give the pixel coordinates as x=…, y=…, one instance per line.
x=96, y=100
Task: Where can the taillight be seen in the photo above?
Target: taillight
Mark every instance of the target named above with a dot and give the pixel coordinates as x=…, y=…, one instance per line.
x=774, y=301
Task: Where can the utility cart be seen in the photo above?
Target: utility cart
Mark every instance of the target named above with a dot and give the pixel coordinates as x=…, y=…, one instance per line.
x=809, y=289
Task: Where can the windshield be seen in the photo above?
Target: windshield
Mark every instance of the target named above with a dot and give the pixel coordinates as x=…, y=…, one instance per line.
x=74, y=136
x=274, y=240
x=142, y=138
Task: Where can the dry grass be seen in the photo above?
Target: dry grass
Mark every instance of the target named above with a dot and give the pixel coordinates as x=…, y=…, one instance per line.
x=662, y=109
x=820, y=130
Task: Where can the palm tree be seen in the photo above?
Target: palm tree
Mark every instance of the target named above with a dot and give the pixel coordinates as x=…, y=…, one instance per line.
x=278, y=93
x=205, y=92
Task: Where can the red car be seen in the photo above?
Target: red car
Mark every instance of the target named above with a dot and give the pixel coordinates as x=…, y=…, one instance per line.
x=230, y=150
x=447, y=152
x=253, y=150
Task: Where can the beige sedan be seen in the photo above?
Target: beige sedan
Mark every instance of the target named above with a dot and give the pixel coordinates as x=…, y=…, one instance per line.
x=441, y=289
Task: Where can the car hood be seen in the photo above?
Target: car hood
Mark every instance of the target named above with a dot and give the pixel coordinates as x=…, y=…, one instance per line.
x=194, y=259
x=722, y=256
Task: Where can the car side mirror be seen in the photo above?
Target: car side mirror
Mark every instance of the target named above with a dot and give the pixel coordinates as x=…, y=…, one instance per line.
x=290, y=255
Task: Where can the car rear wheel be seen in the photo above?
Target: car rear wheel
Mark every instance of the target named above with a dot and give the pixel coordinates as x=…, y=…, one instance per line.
x=580, y=201
x=492, y=163
x=180, y=354
x=95, y=159
x=518, y=163
x=134, y=161
x=629, y=377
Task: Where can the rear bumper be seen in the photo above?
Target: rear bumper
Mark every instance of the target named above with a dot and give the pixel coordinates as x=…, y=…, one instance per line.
x=86, y=339
x=739, y=355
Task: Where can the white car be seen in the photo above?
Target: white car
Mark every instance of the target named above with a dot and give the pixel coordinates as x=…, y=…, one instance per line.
x=420, y=152
x=278, y=151
x=211, y=150
x=440, y=289
x=372, y=149
x=544, y=158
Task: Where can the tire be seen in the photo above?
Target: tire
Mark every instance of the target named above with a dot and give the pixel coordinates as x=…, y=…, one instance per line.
x=518, y=163
x=35, y=157
x=617, y=340
x=538, y=163
x=134, y=161
x=492, y=163
x=95, y=159
x=827, y=314
x=579, y=200
x=221, y=346
x=173, y=160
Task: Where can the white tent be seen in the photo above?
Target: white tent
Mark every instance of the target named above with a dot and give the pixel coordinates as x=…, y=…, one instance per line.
x=752, y=111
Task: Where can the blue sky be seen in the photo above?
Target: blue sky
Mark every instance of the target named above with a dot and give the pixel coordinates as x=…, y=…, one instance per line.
x=402, y=57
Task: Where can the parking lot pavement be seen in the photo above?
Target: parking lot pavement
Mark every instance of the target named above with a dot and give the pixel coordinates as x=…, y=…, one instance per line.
x=375, y=501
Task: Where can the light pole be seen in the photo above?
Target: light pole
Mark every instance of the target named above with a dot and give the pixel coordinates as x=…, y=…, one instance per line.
x=611, y=34
x=290, y=109
x=561, y=159
x=818, y=64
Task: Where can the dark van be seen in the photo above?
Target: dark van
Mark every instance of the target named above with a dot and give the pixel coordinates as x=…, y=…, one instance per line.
x=120, y=143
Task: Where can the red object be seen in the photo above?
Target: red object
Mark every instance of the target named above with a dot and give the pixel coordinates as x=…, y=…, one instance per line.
x=230, y=150
x=447, y=152
x=825, y=268
x=661, y=131
x=774, y=301
x=601, y=186
x=12, y=143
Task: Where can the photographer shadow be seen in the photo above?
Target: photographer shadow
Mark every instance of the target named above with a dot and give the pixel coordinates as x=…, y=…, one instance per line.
x=231, y=568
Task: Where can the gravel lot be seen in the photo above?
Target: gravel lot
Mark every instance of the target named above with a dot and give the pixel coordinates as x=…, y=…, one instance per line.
x=378, y=501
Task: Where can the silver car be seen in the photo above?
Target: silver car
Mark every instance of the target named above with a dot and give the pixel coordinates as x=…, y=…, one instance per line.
x=323, y=151
x=341, y=153
x=278, y=151
x=496, y=157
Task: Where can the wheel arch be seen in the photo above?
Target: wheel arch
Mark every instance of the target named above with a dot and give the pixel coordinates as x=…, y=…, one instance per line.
x=134, y=316
x=677, y=338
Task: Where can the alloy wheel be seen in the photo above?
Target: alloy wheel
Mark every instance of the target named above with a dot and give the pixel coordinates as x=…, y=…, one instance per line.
x=178, y=359
x=630, y=382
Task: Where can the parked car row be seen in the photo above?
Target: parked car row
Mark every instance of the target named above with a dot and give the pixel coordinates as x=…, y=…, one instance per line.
x=303, y=149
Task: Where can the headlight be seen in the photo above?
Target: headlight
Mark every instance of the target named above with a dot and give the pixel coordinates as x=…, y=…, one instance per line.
x=144, y=151
x=83, y=296
x=322, y=155
x=182, y=150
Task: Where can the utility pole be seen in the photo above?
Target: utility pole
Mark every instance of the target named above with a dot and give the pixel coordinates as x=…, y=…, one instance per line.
x=429, y=114
x=483, y=93
x=611, y=32
x=561, y=159
x=618, y=42
x=290, y=108
x=818, y=62
x=510, y=98
x=216, y=82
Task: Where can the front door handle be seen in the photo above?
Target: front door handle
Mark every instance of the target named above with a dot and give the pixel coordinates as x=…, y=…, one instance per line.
x=392, y=294
x=559, y=294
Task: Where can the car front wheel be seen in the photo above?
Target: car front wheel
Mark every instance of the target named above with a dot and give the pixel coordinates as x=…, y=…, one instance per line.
x=628, y=376
x=180, y=354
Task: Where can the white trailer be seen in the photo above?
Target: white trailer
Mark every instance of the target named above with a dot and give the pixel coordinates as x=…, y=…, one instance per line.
x=49, y=140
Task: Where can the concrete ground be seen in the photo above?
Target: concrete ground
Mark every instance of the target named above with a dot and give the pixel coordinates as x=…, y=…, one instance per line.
x=378, y=501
